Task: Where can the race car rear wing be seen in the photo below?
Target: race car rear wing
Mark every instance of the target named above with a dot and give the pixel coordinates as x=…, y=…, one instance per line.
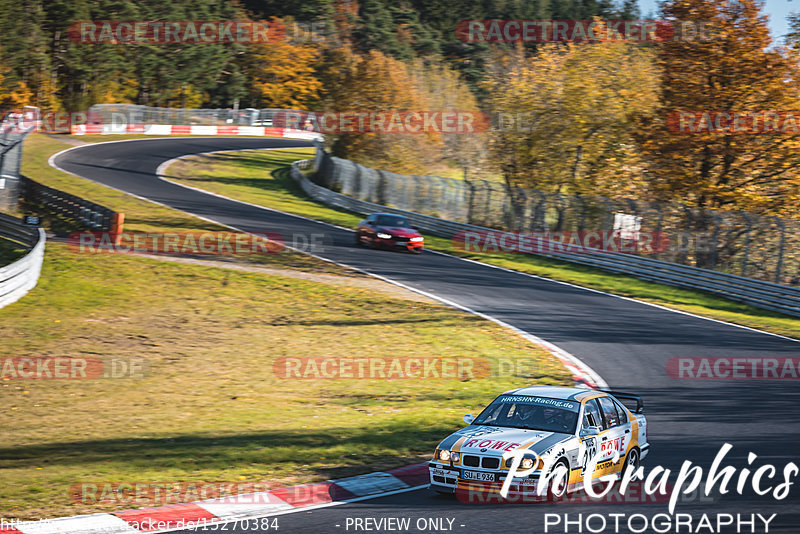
x=628, y=396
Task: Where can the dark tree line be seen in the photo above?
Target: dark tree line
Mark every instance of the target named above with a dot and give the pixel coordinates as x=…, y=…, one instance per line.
x=41, y=65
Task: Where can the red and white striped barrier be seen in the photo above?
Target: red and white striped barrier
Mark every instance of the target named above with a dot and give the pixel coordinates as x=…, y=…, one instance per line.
x=233, y=508
x=190, y=129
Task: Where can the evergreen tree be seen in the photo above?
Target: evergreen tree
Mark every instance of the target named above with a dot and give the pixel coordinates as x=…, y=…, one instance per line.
x=24, y=42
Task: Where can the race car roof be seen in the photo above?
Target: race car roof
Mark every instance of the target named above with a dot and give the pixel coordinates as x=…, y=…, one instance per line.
x=553, y=392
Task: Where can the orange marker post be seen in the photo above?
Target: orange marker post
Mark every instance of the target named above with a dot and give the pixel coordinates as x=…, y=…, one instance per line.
x=116, y=227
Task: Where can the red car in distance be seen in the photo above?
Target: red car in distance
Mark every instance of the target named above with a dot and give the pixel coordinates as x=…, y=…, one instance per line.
x=384, y=230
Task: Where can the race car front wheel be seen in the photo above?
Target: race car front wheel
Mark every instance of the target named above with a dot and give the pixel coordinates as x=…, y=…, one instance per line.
x=633, y=460
x=559, y=481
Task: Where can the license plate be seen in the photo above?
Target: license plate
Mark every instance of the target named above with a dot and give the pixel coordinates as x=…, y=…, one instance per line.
x=477, y=475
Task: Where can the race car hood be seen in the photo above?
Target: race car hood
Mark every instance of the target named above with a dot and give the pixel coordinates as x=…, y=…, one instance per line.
x=398, y=231
x=492, y=440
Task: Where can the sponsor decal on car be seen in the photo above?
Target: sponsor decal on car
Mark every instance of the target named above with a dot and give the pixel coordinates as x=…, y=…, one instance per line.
x=490, y=444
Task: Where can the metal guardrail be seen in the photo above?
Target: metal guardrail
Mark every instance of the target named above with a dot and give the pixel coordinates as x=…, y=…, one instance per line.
x=93, y=216
x=22, y=275
x=765, y=295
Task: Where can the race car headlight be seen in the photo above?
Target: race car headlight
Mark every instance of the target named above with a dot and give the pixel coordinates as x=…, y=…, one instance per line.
x=384, y=236
x=526, y=463
x=417, y=239
x=454, y=456
x=444, y=455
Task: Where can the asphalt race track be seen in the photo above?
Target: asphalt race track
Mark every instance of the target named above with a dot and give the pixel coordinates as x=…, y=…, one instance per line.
x=626, y=342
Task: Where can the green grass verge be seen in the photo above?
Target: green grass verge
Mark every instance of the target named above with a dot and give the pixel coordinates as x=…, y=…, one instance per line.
x=243, y=176
x=212, y=408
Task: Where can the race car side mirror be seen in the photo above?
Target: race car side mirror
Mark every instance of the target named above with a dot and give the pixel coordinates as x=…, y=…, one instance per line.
x=589, y=431
x=468, y=419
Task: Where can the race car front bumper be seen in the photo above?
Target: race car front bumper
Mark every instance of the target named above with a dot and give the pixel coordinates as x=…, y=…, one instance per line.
x=446, y=478
x=400, y=243
x=443, y=478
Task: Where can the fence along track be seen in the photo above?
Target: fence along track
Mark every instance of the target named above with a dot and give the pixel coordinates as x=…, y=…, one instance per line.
x=91, y=215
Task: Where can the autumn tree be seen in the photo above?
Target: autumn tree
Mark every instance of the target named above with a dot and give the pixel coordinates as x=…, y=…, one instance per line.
x=24, y=40
x=282, y=74
x=50, y=69
x=345, y=16
x=729, y=69
x=376, y=82
x=446, y=90
x=564, y=117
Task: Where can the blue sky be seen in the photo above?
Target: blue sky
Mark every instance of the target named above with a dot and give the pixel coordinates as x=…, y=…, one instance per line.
x=776, y=9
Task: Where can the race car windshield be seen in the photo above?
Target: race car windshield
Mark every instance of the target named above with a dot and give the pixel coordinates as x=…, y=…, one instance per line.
x=390, y=220
x=533, y=413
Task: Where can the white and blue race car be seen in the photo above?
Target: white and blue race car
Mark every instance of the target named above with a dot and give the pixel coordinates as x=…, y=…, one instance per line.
x=569, y=429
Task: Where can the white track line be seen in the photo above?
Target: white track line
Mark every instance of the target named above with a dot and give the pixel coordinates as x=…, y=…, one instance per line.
x=631, y=299
x=557, y=351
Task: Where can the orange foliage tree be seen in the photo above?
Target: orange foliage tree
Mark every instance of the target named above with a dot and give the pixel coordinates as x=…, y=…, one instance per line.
x=283, y=74
x=376, y=82
x=731, y=67
x=565, y=117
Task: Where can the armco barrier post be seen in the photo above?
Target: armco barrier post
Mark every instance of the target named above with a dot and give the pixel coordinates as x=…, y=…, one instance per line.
x=319, y=154
x=746, y=254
